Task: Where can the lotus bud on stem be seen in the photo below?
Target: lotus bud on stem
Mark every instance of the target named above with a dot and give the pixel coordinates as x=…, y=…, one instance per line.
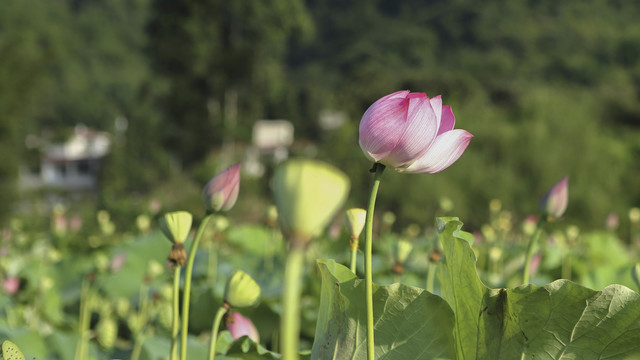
x=220, y=194
x=552, y=206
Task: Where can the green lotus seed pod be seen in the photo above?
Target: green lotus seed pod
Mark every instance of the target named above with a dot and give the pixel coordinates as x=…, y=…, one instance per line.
x=355, y=219
x=176, y=225
x=403, y=249
x=307, y=194
x=241, y=290
x=107, y=332
x=135, y=323
x=122, y=307
x=165, y=315
x=10, y=351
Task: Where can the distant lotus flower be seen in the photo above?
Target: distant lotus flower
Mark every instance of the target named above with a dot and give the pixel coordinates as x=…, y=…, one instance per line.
x=554, y=203
x=412, y=133
x=307, y=194
x=11, y=284
x=221, y=192
x=240, y=326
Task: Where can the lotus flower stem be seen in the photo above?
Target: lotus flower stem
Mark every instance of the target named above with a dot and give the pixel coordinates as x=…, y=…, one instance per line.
x=290, y=321
x=532, y=242
x=214, y=329
x=176, y=312
x=187, y=286
x=378, y=169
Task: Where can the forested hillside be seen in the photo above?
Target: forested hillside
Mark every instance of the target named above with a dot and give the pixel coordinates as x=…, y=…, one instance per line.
x=547, y=87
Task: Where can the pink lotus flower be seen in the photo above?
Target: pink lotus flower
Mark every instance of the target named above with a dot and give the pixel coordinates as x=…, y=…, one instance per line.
x=554, y=203
x=240, y=326
x=412, y=133
x=221, y=192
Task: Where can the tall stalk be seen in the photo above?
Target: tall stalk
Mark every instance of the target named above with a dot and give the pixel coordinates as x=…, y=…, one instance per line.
x=214, y=329
x=532, y=242
x=176, y=312
x=290, y=321
x=187, y=286
x=378, y=169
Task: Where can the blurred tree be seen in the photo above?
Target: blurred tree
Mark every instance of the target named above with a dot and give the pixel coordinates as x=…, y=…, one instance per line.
x=29, y=41
x=224, y=64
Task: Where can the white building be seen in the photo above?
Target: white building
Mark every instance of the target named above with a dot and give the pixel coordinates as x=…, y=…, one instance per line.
x=72, y=165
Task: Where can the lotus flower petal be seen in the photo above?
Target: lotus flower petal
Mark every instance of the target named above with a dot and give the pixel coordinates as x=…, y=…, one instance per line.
x=444, y=151
x=420, y=131
x=383, y=124
x=241, y=326
x=448, y=121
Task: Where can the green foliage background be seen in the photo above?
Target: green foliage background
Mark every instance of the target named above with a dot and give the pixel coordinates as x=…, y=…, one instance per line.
x=548, y=88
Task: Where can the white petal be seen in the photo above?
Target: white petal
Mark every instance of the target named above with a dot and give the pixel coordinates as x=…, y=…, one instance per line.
x=444, y=151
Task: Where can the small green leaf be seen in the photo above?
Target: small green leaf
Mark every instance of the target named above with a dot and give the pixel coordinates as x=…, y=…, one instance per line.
x=10, y=351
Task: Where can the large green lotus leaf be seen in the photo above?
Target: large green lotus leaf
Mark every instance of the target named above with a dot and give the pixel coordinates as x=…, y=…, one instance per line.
x=410, y=323
x=561, y=320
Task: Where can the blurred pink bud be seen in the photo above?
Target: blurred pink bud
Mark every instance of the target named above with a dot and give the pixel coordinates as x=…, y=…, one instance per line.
x=75, y=223
x=412, y=133
x=11, y=284
x=117, y=262
x=221, y=192
x=155, y=205
x=554, y=203
x=240, y=326
x=59, y=223
x=477, y=237
x=613, y=221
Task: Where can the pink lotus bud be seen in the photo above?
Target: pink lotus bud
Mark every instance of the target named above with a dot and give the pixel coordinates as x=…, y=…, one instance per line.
x=554, y=203
x=240, y=326
x=221, y=192
x=412, y=133
x=11, y=284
